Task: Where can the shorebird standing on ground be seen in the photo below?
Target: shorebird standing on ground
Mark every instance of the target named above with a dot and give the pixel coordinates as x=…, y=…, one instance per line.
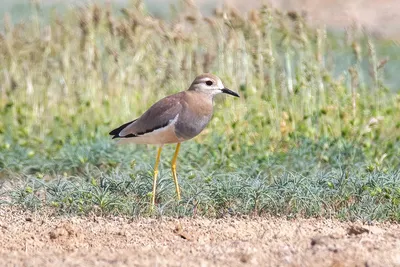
x=174, y=119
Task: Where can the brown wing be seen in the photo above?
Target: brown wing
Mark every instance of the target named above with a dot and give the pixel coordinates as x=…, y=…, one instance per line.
x=157, y=116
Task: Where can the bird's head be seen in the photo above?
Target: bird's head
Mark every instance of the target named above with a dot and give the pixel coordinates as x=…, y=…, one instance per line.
x=210, y=84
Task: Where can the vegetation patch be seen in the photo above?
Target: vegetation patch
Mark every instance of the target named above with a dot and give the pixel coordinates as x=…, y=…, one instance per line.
x=315, y=133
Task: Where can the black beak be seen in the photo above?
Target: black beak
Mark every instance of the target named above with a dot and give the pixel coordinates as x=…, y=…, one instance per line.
x=229, y=92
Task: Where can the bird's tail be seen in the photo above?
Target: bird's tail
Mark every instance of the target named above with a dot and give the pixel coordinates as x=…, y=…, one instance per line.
x=116, y=131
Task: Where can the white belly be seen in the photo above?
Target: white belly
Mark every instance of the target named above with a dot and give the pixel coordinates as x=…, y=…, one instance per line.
x=165, y=135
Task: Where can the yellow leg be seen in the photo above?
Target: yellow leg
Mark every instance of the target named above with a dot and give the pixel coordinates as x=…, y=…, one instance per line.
x=153, y=197
x=173, y=168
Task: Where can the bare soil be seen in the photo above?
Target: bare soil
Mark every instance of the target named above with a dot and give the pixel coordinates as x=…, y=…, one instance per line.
x=29, y=239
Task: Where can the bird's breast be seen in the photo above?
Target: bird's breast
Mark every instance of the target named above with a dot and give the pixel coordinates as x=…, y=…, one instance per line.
x=196, y=113
x=191, y=126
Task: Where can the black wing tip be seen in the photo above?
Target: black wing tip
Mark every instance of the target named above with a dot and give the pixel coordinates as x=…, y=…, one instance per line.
x=116, y=131
x=125, y=136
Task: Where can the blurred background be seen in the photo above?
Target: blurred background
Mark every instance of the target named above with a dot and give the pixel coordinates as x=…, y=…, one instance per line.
x=315, y=132
x=380, y=17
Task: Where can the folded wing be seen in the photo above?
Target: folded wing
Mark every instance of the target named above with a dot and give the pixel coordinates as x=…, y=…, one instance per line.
x=158, y=116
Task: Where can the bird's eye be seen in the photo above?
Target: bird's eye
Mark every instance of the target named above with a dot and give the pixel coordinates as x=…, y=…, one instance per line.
x=209, y=83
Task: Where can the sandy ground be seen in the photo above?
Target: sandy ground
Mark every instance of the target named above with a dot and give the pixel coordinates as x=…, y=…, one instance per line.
x=28, y=239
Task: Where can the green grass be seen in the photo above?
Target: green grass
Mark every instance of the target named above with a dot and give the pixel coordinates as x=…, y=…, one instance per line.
x=315, y=133
x=326, y=178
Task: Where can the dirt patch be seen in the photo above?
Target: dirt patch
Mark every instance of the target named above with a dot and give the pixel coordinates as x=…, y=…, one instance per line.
x=28, y=239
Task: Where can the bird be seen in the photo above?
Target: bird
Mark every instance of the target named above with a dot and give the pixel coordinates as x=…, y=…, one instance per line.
x=174, y=119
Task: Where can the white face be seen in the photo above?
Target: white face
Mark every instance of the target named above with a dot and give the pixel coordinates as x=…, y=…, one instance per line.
x=209, y=85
